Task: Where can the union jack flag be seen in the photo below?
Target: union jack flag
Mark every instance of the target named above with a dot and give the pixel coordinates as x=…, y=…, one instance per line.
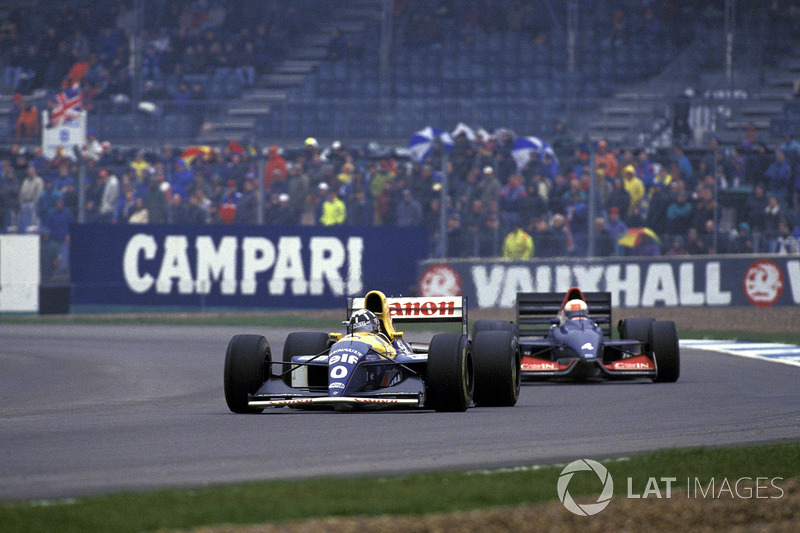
x=65, y=105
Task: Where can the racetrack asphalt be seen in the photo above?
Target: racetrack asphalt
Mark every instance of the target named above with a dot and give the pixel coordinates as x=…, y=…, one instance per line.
x=97, y=409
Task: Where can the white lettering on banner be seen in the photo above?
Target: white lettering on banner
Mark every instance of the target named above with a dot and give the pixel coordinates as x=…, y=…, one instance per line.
x=329, y=256
x=793, y=271
x=258, y=255
x=659, y=285
x=487, y=284
x=517, y=279
x=288, y=266
x=646, y=285
x=630, y=285
x=138, y=245
x=175, y=266
x=355, y=249
x=688, y=296
x=714, y=293
x=588, y=278
x=563, y=278
x=544, y=279
x=216, y=264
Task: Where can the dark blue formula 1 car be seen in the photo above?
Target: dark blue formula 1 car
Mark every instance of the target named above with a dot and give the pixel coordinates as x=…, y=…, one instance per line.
x=570, y=336
x=373, y=366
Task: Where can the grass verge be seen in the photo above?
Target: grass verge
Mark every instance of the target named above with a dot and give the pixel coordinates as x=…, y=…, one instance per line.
x=321, y=320
x=417, y=494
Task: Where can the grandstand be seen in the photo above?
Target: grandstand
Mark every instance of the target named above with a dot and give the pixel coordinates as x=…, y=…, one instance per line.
x=612, y=69
x=645, y=77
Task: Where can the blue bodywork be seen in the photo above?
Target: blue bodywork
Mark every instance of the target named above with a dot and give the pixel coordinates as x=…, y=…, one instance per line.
x=364, y=369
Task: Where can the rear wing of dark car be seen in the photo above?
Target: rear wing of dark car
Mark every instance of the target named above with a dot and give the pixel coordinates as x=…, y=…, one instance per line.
x=535, y=311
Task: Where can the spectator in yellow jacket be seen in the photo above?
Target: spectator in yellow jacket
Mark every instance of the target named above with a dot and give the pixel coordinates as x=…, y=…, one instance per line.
x=334, y=212
x=518, y=244
x=633, y=185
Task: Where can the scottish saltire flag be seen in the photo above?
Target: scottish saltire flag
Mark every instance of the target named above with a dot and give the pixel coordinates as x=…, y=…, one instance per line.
x=525, y=146
x=66, y=105
x=420, y=145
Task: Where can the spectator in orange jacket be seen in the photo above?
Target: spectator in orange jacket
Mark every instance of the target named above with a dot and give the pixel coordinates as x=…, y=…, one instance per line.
x=606, y=159
x=27, y=122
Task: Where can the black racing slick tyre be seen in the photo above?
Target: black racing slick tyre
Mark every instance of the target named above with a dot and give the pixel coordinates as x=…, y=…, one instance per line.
x=496, y=359
x=247, y=367
x=666, y=351
x=302, y=343
x=491, y=325
x=450, y=376
x=636, y=329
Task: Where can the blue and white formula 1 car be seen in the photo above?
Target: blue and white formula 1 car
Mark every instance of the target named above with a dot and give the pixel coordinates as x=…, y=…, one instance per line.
x=372, y=366
x=572, y=338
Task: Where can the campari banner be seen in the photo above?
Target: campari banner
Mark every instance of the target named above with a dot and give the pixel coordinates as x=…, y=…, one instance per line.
x=240, y=266
x=710, y=281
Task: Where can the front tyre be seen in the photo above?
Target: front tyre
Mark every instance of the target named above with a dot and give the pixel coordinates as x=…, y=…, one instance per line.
x=636, y=329
x=496, y=358
x=491, y=325
x=302, y=343
x=247, y=367
x=450, y=379
x=666, y=351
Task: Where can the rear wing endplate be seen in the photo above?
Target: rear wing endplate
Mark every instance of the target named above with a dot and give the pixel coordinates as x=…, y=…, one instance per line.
x=535, y=310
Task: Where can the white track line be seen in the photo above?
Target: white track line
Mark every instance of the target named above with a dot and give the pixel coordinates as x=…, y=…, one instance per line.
x=787, y=354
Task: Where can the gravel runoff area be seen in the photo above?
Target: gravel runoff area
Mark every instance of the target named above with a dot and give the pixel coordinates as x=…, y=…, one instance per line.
x=623, y=514
x=678, y=513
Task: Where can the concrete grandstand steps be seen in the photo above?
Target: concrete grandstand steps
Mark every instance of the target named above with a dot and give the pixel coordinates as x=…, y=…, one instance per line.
x=616, y=109
x=283, y=80
x=248, y=109
x=639, y=96
x=762, y=108
x=782, y=80
x=264, y=95
x=296, y=66
x=310, y=52
x=762, y=124
x=226, y=130
x=606, y=124
x=772, y=95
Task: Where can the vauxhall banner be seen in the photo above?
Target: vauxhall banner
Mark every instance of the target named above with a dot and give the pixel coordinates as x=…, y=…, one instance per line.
x=709, y=281
x=240, y=266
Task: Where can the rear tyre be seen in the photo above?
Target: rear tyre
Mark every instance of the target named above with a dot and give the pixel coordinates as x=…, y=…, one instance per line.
x=491, y=325
x=666, y=351
x=247, y=367
x=636, y=329
x=302, y=343
x=496, y=358
x=450, y=380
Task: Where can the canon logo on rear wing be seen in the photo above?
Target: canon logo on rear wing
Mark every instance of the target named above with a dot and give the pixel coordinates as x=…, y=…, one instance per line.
x=433, y=308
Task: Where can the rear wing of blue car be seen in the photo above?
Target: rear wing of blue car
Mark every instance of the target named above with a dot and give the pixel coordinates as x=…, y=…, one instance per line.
x=413, y=309
x=536, y=310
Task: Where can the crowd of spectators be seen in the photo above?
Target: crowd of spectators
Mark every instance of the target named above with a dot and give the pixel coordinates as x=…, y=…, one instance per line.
x=492, y=208
x=89, y=45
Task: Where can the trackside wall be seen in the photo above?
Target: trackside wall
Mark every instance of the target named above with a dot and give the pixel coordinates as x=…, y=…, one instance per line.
x=240, y=266
x=705, y=281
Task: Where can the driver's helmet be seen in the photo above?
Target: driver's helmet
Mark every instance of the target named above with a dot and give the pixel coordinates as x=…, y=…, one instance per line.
x=364, y=321
x=576, y=309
